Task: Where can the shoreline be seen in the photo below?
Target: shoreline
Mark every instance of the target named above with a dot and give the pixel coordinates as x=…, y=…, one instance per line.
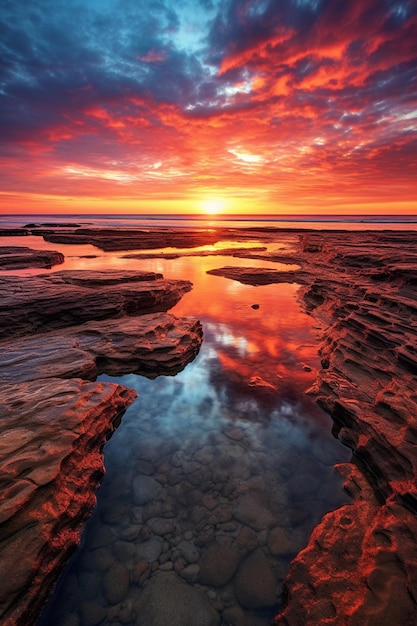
x=361, y=288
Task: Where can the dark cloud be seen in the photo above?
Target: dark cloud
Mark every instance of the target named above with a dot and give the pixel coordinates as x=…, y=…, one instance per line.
x=311, y=83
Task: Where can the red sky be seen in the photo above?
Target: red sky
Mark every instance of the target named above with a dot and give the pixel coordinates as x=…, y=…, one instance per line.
x=296, y=106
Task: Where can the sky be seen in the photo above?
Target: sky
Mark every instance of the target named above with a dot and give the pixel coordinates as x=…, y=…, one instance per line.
x=233, y=106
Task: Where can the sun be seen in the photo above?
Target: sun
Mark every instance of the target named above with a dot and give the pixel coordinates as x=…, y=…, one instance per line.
x=212, y=206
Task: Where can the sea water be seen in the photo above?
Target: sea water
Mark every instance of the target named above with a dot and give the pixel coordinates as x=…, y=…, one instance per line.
x=345, y=221
x=215, y=476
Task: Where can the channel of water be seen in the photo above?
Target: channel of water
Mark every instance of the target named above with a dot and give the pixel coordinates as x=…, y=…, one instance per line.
x=215, y=477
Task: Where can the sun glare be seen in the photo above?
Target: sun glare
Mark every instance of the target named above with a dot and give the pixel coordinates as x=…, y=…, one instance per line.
x=213, y=206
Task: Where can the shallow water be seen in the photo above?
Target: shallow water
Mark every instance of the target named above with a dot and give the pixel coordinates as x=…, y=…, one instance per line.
x=218, y=474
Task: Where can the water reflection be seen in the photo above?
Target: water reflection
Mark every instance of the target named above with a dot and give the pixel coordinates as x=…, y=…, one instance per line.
x=216, y=476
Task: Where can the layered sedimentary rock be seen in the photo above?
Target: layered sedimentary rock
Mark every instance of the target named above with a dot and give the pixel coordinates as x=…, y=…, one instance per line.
x=20, y=257
x=259, y=275
x=52, y=433
x=235, y=252
x=67, y=298
x=151, y=345
x=54, y=422
x=115, y=239
x=359, y=565
x=13, y=232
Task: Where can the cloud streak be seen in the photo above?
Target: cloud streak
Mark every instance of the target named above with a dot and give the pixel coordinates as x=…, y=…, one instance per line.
x=312, y=103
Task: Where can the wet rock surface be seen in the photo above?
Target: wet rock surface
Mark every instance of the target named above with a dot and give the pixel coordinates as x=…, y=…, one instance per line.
x=359, y=565
x=132, y=239
x=52, y=432
x=20, y=257
x=54, y=422
x=361, y=287
x=259, y=275
x=152, y=344
x=68, y=298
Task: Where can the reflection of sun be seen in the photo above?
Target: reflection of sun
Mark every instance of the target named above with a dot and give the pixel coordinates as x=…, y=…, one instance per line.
x=212, y=206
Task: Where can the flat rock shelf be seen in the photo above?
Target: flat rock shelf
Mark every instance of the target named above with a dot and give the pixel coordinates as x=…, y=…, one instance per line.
x=218, y=523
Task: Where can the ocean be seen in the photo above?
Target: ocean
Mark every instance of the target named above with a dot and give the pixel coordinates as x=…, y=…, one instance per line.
x=148, y=221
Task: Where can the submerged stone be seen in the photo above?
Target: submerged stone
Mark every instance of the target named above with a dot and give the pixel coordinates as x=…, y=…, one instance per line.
x=168, y=600
x=219, y=562
x=255, y=585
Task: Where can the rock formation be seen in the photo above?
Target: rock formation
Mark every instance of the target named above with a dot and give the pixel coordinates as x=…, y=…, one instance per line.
x=152, y=345
x=54, y=422
x=258, y=275
x=236, y=252
x=67, y=298
x=52, y=433
x=19, y=257
x=359, y=565
x=133, y=239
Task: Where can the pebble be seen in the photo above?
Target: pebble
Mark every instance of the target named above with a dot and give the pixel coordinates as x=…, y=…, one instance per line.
x=161, y=526
x=209, y=502
x=167, y=599
x=255, y=585
x=279, y=542
x=123, y=550
x=234, y=433
x=140, y=568
x=251, y=511
x=145, y=489
x=116, y=584
x=102, y=558
x=150, y=550
x=189, y=551
x=92, y=613
x=122, y=613
x=190, y=573
x=218, y=563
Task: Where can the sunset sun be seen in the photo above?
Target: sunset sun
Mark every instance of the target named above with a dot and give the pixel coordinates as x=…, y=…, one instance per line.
x=213, y=206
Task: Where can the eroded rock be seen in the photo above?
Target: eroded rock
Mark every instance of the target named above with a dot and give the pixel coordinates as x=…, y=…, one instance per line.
x=360, y=286
x=133, y=239
x=16, y=257
x=259, y=275
x=52, y=432
x=62, y=299
x=54, y=424
x=151, y=345
x=359, y=564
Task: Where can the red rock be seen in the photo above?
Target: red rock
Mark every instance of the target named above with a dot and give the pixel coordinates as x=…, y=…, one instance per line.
x=48, y=475
x=62, y=299
x=53, y=425
x=358, y=568
x=151, y=345
x=16, y=257
x=360, y=562
x=133, y=239
x=258, y=275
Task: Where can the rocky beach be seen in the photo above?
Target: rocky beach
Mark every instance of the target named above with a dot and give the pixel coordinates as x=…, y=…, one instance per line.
x=211, y=526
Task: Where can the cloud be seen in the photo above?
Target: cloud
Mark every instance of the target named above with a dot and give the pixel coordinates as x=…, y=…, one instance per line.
x=254, y=93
